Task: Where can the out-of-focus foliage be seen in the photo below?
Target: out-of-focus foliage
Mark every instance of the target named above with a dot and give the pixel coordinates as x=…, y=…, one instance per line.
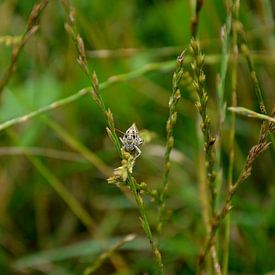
x=39, y=233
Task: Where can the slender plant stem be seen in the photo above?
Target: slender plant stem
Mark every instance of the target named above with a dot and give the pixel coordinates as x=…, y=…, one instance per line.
x=225, y=56
x=254, y=78
x=201, y=104
x=45, y=109
x=67, y=197
x=95, y=88
x=107, y=254
x=234, y=7
x=257, y=87
x=254, y=152
x=31, y=29
x=170, y=125
x=203, y=190
x=92, y=158
x=145, y=224
x=268, y=14
x=41, y=151
x=75, y=144
x=249, y=113
x=195, y=18
x=73, y=203
x=87, y=90
x=161, y=66
x=209, y=139
x=225, y=38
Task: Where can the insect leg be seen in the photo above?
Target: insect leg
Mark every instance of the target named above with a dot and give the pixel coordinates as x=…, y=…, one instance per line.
x=138, y=151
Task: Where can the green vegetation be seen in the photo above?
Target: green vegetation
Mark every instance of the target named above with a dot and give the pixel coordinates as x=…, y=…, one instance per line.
x=197, y=79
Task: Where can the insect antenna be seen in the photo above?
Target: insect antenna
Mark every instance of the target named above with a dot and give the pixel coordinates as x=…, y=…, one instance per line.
x=120, y=131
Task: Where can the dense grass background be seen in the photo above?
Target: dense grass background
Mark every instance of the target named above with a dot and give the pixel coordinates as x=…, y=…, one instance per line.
x=39, y=234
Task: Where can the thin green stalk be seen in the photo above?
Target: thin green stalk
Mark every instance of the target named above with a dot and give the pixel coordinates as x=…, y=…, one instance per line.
x=82, y=60
x=145, y=224
x=245, y=50
x=82, y=149
x=161, y=66
x=254, y=152
x=201, y=104
x=128, y=52
x=225, y=56
x=78, y=146
x=151, y=67
x=67, y=197
x=45, y=109
x=123, y=175
x=107, y=254
x=175, y=96
x=195, y=18
x=64, y=101
x=268, y=16
x=65, y=194
x=73, y=204
x=209, y=139
x=31, y=29
x=234, y=75
x=254, y=78
x=203, y=191
x=41, y=151
x=249, y=113
x=225, y=38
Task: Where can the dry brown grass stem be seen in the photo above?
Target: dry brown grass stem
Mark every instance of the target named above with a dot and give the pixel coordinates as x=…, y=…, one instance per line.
x=32, y=27
x=195, y=19
x=254, y=152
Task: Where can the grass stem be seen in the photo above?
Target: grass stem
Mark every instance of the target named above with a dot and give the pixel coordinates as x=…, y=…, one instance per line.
x=170, y=125
x=59, y=188
x=257, y=87
x=95, y=88
x=254, y=152
x=145, y=224
x=195, y=18
x=234, y=9
x=31, y=29
x=249, y=113
x=209, y=139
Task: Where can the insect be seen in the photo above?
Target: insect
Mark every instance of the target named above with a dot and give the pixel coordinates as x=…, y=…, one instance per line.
x=131, y=140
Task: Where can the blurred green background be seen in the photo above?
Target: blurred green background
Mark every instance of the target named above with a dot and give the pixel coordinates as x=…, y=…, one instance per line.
x=39, y=234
